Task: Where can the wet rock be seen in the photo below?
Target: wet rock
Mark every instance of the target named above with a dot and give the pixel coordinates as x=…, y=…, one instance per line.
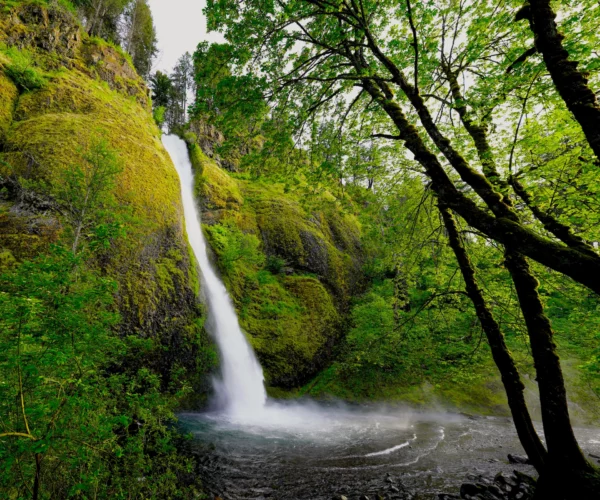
x=471, y=489
x=364, y=497
x=507, y=483
x=518, y=459
x=444, y=496
x=524, y=478
x=516, y=486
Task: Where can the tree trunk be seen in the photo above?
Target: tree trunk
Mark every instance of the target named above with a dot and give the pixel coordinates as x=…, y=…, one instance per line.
x=508, y=370
x=571, y=84
x=132, y=30
x=38, y=477
x=562, y=444
x=504, y=228
x=549, y=374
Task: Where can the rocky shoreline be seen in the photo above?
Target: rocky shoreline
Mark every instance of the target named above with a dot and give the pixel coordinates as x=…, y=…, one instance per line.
x=502, y=486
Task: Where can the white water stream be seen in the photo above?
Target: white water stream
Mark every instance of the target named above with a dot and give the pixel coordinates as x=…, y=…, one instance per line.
x=240, y=391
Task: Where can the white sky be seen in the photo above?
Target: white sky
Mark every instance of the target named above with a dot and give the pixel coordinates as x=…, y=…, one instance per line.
x=180, y=26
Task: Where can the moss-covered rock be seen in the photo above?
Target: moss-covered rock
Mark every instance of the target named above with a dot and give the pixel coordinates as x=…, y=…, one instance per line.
x=47, y=27
x=291, y=273
x=218, y=194
x=91, y=90
x=8, y=98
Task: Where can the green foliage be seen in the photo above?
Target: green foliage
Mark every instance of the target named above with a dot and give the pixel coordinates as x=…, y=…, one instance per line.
x=85, y=193
x=158, y=113
x=275, y=264
x=71, y=417
x=22, y=70
x=161, y=86
x=139, y=36
x=235, y=105
x=234, y=248
x=82, y=412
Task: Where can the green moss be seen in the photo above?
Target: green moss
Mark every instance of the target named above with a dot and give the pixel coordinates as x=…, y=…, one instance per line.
x=7, y=259
x=25, y=236
x=8, y=98
x=291, y=322
x=213, y=186
x=20, y=68
x=168, y=272
x=305, y=243
x=52, y=126
x=100, y=42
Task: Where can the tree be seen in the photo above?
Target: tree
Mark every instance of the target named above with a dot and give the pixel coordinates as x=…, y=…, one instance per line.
x=313, y=51
x=139, y=35
x=46, y=383
x=236, y=106
x=101, y=17
x=183, y=82
x=502, y=357
x=86, y=190
x=162, y=88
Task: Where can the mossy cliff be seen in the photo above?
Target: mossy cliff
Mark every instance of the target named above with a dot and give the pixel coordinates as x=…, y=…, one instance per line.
x=85, y=89
x=291, y=271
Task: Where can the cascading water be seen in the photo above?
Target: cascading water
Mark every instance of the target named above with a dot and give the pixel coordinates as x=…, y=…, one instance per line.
x=240, y=391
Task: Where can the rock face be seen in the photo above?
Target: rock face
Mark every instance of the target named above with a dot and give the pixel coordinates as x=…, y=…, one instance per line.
x=293, y=282
x=91, y=90
x=50, y=29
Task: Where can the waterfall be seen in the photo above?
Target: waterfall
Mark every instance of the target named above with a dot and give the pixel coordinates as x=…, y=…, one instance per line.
x=240, y=391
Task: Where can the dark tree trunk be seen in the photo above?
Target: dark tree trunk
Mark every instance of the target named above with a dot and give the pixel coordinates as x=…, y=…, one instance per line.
x=504, y=226
x=38, y=477
x=508, y=370
x=571, y=84
x=561, y=441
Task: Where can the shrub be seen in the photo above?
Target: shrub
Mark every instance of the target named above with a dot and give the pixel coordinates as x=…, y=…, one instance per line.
x=190, y=137
x=22, y=71
x=159, y=116
x=275, y=264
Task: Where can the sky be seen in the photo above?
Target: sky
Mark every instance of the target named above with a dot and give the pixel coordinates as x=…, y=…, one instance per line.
x=180, y=26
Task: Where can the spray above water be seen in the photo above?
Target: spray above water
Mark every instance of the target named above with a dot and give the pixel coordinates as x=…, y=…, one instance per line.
x=240, y=391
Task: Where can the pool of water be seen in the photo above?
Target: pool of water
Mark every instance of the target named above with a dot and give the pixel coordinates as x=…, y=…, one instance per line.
x=307, y=451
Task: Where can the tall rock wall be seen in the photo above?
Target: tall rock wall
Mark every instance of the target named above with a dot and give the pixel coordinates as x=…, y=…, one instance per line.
x=91, y=90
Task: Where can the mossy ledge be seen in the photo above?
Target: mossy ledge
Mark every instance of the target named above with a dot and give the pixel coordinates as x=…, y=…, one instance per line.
x=91, y=89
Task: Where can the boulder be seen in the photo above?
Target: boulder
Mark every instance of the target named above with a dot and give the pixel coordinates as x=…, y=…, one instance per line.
x=518, y=459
